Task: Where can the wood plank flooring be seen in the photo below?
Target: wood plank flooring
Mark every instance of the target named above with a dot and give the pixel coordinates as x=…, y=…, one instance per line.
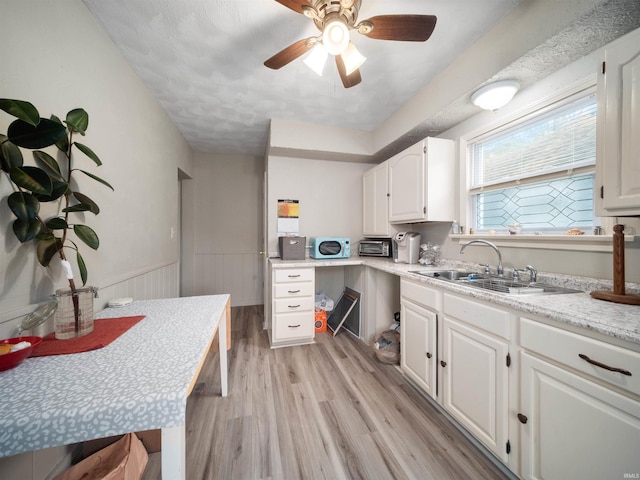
x=323, y=411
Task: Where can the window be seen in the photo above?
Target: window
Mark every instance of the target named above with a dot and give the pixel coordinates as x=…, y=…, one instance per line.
x=537, y=171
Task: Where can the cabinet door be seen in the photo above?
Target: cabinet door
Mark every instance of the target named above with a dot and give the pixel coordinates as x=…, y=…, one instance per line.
x=375, y=201
x=418, y=345
x=618, y=142
x=475, y=383
x=407, y=185
x=574, y=427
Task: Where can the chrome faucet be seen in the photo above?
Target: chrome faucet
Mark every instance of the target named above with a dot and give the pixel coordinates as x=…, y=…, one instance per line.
x=500, y=269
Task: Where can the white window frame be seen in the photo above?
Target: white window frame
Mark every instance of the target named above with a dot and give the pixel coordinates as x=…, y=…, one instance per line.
x=587, y=242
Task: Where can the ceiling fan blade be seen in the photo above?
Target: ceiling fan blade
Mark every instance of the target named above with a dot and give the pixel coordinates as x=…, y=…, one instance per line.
x=295, y=5
x=290, y=53
x=407, y=28
x=347, y=80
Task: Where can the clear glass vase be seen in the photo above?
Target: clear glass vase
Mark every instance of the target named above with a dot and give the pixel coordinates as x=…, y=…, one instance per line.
x=74, y=315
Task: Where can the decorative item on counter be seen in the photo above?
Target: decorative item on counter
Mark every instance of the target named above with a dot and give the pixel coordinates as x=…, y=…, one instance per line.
x=13, y=351
x=429, y=254
x=50, y=181
x=514, y=228
x=618, y=295
x=455, y=227
x=574, y=231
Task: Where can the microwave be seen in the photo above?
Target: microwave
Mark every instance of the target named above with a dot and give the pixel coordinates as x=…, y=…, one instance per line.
x=375, y=247
x=329, y=247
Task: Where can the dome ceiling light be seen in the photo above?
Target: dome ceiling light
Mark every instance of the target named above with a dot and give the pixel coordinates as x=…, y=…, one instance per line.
x=495, y=95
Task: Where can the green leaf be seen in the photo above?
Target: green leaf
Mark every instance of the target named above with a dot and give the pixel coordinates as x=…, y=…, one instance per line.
x=26, y=135
x=26, y=231
x=25, y=111
x=57, y=223
x=11, y=155
x=48, y=161
x=97, y=179
x=87, y=235
x=88, y=152
x=33, y=179
x=58, y=190
x=63, y=143
x=83, y=199
x=79, y=207
x=82, y=267
x=78, y=120
x=24, y=206
x=46, y=249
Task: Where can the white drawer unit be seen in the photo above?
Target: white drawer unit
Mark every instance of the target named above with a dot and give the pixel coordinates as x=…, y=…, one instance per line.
x=292, y=306
x=588, y=390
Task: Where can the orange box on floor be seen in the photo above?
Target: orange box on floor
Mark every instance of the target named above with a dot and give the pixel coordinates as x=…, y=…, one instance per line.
x=321, y=320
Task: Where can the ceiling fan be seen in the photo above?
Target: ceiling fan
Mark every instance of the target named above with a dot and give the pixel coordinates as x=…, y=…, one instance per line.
x=334, y=19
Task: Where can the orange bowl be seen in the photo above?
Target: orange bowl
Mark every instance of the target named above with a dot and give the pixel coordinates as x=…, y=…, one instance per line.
x=13, y=359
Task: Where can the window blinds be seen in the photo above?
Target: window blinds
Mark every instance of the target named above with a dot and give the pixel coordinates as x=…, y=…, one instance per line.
x=561, y=139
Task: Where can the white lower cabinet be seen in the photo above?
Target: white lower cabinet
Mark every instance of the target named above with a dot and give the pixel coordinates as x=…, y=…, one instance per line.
x=292, y=306
x=418, y=325
x=474, y=365
x=579, y=418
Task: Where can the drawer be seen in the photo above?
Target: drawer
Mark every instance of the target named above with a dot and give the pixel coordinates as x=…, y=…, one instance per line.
x=294, y=304
x=566, y=347
x=288, y=290
x=293, y=275
x=420, y=293
x=293, y=325
x=473, y=312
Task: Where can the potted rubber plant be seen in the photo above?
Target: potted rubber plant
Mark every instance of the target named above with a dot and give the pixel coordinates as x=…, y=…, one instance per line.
x=51, y=180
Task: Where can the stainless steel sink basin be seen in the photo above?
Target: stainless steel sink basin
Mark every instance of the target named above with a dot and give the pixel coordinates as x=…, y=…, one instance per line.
x=498, y=284
x=445, y=274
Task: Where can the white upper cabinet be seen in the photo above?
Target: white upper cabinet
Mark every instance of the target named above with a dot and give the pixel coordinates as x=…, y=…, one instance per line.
x=421, y=182
x=618, y=137
x=375, y=201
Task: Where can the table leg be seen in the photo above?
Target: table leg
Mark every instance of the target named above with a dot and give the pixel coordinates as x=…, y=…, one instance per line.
x=222, y=343
x=174, y=453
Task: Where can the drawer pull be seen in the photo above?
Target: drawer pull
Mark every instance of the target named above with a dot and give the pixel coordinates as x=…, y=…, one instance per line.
x=523, y=418
x=294, y=291
x=429, y=355
x=293, y=276
x=602, y=365
x=294, y=326
x=443, y=363
x=294, y=306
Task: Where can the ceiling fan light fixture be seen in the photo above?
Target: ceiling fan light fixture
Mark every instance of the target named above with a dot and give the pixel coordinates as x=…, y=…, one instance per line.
x=495, y=95
x=335, y=37
x=317, y=58
x=352, y=58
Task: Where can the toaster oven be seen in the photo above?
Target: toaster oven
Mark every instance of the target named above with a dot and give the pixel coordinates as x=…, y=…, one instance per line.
x=329, y=247
x=375, y=247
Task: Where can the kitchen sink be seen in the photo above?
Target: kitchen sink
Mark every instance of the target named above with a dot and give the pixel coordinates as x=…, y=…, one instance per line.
x=498, y=284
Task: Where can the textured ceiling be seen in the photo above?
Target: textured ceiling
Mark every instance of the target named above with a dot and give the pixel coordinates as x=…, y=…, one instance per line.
x=203, y=61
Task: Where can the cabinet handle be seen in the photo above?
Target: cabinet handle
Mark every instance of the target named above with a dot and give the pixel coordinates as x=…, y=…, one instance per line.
x=294, y=326
x=602, y=365
x=523, y=418
x=429, y=355
x=294, y=306
x=443, y=363
x=293, y=276
x=294, y=291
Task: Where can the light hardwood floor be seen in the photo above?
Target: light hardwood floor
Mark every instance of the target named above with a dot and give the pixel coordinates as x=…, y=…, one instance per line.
x=323, y=411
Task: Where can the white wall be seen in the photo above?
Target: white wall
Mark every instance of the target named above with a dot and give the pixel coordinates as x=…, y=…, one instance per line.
x=55, y=55
x=330, y=195
x=227, y=201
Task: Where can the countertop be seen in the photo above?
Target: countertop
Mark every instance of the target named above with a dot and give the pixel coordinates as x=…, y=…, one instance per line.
x=578, y=309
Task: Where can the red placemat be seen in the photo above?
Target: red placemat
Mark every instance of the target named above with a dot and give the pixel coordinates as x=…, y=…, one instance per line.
x=105, y=331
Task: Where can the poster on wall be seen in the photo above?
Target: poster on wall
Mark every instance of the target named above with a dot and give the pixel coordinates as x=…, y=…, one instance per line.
x=288, y=218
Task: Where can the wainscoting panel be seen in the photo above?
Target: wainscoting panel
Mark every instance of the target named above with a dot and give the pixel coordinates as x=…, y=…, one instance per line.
x=238, y=274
